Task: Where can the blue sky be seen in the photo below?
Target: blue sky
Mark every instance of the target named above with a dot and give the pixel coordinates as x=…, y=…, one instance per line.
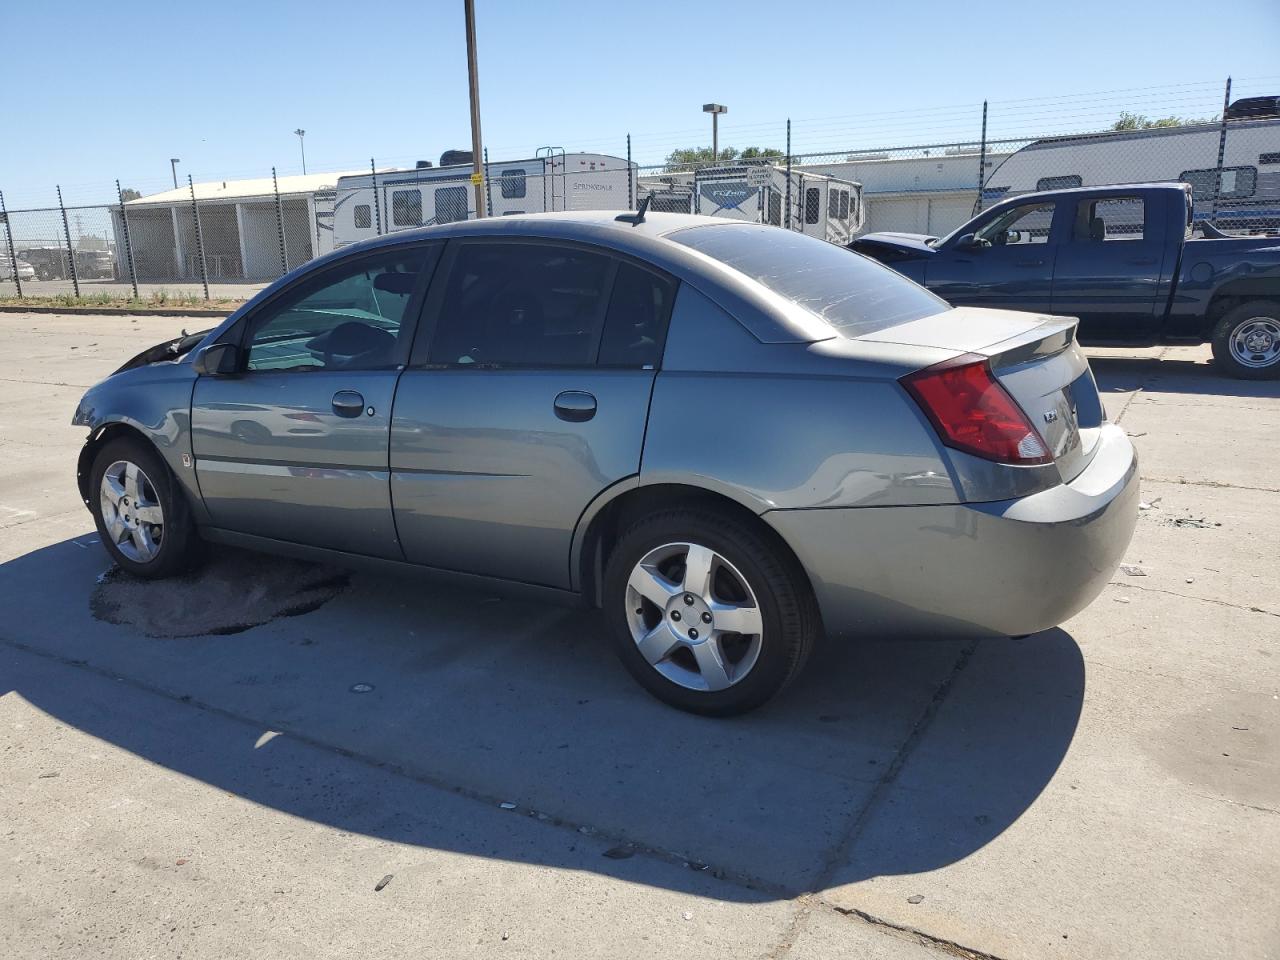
x=105, y=90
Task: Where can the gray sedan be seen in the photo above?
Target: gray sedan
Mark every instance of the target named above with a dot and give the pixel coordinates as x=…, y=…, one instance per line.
x=733, y=438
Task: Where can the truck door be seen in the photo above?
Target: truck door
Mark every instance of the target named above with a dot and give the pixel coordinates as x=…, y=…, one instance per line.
x=1110, y=267
x=1007, y=261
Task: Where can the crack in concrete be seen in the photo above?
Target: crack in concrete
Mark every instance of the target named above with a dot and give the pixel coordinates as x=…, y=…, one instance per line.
x=1187, y=596
x=1133, y=395
x=949, y=947
x=1218, y=484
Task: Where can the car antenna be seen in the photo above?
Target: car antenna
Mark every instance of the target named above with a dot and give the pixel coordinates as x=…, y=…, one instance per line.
x=638, y=216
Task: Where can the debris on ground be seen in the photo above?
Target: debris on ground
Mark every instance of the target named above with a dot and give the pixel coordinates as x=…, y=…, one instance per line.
x=1199, y=523
x=383, y=882
x=1133, y=570
x=916, y=898
x=1121, y=599
x=688, y=915
x=47, y=776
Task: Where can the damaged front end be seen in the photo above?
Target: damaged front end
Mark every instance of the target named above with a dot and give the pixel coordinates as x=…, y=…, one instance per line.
x=170, y=350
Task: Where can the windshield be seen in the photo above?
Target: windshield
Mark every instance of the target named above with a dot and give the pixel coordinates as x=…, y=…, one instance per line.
x=853, y=294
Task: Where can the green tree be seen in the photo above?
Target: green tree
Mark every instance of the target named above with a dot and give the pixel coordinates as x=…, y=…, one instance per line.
x=1136, y=121
x=128, y=193
x=693, y=156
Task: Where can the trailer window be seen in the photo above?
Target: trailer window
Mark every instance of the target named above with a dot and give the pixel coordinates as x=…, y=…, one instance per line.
x=1068, y=182
x=833, y=204
x=812, y=205
x=775, y=208
x=364, y=216
x=513, y=184
x=406, y=208
x=1268, y=158
x=451, y=204
x=1237, y=182
x=844, y=204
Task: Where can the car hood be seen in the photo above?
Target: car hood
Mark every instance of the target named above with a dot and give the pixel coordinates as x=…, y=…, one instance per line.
x=169, y=350
x=906, y=242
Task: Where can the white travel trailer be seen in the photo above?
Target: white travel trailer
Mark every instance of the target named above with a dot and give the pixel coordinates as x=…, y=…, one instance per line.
x=1250, y=193
x=825, y=207
x=376, y=203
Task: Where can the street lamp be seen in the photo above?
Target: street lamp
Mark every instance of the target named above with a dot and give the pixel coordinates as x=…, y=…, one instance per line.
x=473, y=82
x=715, y=109
x=173, y=168
x=302, y=146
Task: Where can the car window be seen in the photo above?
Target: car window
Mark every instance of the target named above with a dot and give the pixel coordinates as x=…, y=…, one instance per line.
x=528, y=304
x=1024, y=224
x=1117, y=218
x=350, y=317
x=635, y=326
x=852, y=293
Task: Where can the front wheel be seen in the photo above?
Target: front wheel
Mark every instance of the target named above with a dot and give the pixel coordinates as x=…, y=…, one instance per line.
x=1246, y=341
x=142, y=517
x=707, y=613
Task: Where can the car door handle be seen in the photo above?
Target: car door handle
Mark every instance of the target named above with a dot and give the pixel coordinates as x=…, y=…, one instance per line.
x=348, y=403
x=1029, y=263
x=575, y=406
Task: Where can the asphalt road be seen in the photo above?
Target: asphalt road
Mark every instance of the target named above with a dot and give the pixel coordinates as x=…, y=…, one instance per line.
x=230, y=766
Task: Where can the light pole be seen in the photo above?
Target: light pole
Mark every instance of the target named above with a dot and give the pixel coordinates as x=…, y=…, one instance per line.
x=473, y=70
x=302, y=146
x=715, y=109
x=173, y=168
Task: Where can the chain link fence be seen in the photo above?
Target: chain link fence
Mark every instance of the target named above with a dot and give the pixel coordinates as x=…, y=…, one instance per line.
x=226, y=239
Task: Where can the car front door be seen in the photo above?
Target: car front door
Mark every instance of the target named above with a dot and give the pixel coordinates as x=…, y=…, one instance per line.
x=527, y=396
x=1111, y=268
x=293, y=445
x=1007, y=261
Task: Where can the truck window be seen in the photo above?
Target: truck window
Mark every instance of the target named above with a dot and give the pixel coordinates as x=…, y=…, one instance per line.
x=406, y=208
x=513, y=184
x=1059, y=183
x=1117, y=218
x=364, y=216
x=1026, y=223
x=1237, y=182
x=812, y=204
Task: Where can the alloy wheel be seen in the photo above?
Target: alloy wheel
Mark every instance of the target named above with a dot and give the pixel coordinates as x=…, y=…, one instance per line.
x=694, y=617
x=131, y=511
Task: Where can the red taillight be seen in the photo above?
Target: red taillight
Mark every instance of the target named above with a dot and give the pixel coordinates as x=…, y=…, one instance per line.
x=972, y=412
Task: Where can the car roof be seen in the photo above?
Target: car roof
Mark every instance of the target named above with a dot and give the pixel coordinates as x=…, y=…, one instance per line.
x=1096, y=188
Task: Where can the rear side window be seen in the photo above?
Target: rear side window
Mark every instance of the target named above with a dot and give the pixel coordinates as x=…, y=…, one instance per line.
x=812, y=205
x=635, y=326
x=406, y=208
x=853, y=294
x=364, y=216
x=1119, y=218
x=522, y=304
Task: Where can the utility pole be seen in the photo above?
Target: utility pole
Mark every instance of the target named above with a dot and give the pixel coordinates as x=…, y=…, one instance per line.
x=477, y=142
x=303, y=147
x=173, y=168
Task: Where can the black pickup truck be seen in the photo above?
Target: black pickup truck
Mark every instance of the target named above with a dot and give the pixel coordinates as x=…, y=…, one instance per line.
x=1123, y=259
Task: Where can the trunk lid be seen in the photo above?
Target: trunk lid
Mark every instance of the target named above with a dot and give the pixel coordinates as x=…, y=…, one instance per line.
x=1036, y=359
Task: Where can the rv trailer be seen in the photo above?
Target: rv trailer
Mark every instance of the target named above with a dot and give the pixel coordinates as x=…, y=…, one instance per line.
x=1249, y=197
x=371, y=204
x=821, y=206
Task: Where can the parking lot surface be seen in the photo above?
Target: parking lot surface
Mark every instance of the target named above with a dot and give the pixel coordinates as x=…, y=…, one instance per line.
x=233, y=764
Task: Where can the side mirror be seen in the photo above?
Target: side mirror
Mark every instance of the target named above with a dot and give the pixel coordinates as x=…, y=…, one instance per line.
x=217, y=360
x=968, y=241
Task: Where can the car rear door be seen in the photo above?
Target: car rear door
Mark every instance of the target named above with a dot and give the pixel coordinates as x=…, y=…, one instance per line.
x=1010, y=263
x=293, y=446
x=1111, y=267
x=527, y=396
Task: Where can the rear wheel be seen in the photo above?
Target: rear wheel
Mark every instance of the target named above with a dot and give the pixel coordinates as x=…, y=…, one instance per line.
x=142, y=517
x=706, y=613
x=1246, y=341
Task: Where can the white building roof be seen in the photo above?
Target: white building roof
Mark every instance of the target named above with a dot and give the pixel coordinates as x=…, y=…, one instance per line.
x=243, y=189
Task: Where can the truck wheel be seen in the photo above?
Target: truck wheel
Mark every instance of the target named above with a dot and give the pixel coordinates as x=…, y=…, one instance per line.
x=706, y=613
x=142, y=517
x=1246, y=341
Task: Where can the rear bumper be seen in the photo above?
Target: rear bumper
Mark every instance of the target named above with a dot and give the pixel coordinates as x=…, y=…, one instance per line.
x=1006, y=568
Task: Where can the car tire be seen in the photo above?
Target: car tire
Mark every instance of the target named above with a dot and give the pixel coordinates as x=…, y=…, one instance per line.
x=44, y=273
x=747, y=581
x=143, y=518
x=1246, y=341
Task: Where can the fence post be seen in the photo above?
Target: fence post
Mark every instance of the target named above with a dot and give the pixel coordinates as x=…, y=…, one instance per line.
x=8, y=233
x=488, y=190
x=631, y=179
x=195, y=218
x=377, y=204
x=1222, y=149
x=128, y=246
x=284, y=255
x=788, y=203
x=982, y=159
x=71, y=254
